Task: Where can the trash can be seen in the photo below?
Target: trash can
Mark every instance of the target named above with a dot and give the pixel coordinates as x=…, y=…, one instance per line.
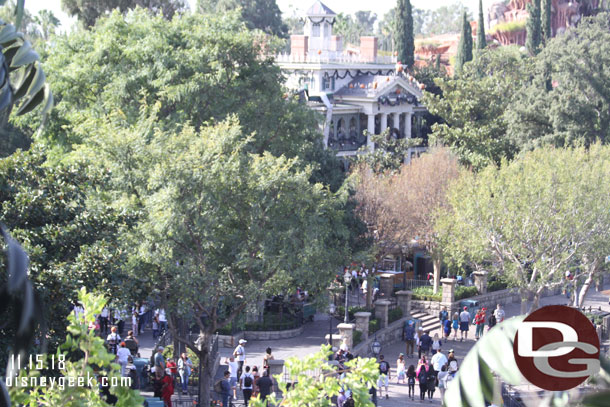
x=471, y=306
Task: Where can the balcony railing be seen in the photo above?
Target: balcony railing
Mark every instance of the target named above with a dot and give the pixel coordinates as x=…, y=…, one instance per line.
x=334, y=58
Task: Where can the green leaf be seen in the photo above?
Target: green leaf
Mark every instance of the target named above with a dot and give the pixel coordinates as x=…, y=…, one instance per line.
x=19, y=13
x=26, y=81
x=25, y=55
x=31, y=103
x=8, y=33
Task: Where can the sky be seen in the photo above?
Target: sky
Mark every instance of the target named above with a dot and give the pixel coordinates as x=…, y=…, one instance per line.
x=288, y=7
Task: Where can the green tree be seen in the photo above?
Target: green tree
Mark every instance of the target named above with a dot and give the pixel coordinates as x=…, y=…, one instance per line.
x=464, y=52
x=446, y=19
x=85, y=355
x=405, y=41
x=546, y=15
x=47, y=22
x=71, y=243
x=533, y=28
x=224, y=227
x=567, y=103
x=472, y=107
x=264, y=15
x=317, y=390
x=532, y=219
x=88, y=11
x=481, y=41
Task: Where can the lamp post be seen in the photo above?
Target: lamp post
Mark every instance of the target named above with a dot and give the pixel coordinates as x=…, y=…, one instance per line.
x=347, y=278
x=375, y=347
x=331, y=310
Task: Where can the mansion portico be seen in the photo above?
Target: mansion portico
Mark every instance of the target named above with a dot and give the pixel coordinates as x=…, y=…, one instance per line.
x=355, y=89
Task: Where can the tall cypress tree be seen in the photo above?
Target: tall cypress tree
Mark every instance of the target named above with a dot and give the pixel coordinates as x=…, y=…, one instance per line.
x=481, y=41
x=546, y=21
x=405, y=41
x=533, y=27
x=464, y=52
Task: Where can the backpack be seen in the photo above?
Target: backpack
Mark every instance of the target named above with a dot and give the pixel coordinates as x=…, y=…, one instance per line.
x=409, y=333
x=383, y=367
x=248, y=381
x=422, y=375
x=218, y=386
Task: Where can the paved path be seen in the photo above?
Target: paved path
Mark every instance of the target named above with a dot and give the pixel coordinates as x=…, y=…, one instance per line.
x=315, y=332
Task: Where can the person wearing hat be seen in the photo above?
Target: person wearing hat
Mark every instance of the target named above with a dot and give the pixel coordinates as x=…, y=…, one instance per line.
x=464, y=324
x=240, y=355
x=451, y=358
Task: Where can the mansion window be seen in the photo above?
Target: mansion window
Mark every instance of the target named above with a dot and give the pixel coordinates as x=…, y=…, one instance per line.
x=315, y=30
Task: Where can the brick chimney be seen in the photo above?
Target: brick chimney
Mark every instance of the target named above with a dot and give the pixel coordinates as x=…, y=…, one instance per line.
x=368, y=49
x=299, y=44
x=336, y=43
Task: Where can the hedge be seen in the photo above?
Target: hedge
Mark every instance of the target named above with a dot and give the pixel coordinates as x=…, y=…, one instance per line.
x=357, y=337
x=394, y=315
x=373, y=326
x=425, y=294
x=340, y=311
x=465, y=292
x=496, y=285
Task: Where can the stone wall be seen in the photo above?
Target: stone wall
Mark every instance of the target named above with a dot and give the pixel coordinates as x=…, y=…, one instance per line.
x=272, y=335
x=488, y=300
x=386, y=337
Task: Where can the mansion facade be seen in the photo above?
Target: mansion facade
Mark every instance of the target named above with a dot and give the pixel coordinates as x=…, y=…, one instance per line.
x=355, y=89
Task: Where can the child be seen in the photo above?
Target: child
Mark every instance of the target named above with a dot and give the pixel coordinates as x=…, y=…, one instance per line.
x=401, y=369
x=436, y=343
x=455, y=323
x=411, y=381
x=155, y=327
x=447, y=328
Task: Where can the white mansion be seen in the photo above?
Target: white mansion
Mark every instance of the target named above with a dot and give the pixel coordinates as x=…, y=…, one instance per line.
x=355, y=89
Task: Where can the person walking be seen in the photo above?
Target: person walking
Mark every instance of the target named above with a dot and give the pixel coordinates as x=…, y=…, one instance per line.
x=384, y=377
x=265, y=386
x=443, y=315
x=422, y=378
x=268, y=356
x=411, y=381
x=431, y=382
x=455, y=324
x=104, y=320
x=436, y=343
x=240, y=355
x=233, y=369
x=401, y=369
x=122, y=356
x=155, y=327
x=225, y=389
x=499, y=313
x=464, y=324
x=447, y=329
x=159, y=363
x=167, y=389
x=438, y=361
x=131, y=343
x=410, y=338
x=491, y=322
x=442, y=381
x=246, y=383
x=479, y=320
x=185, y=366
x=425, y=343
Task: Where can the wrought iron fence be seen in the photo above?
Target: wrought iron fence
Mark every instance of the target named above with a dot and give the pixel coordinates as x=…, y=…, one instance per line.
x=411, y=284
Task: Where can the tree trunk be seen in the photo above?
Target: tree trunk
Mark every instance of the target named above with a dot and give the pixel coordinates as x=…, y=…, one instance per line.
x=436, y=264
x=207, y=370
x=524, y=294
x=585, y=288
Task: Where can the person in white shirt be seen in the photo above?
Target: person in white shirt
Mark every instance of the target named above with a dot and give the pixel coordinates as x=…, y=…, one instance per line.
x=499, y=314
x=439, y=360
x=122, y=356
x=464, y=324
x=240, y=355
x=162, y=320
x=233, y=367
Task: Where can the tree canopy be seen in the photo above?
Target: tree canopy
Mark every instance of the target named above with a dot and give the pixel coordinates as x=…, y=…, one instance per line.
x=264, y=15
x=88, y=11
x=532, y=219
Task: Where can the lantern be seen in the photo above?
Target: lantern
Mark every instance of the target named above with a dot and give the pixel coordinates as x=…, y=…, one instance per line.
x=374, y=85
x=351, y=85
x=398, y=91
x=319, y=52
x=362, y=86
x=387, y=79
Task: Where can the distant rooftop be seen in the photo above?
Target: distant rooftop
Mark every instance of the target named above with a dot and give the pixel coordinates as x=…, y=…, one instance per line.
x=318, y=9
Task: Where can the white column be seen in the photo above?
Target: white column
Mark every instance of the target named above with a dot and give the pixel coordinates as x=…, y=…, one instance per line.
x=396, y=120
x=408, y=125
x=371, y=129
x=384, y=122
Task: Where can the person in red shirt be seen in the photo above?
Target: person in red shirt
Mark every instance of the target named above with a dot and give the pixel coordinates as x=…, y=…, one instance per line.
x=173, y=367
x=479, y=320
x=167, y=388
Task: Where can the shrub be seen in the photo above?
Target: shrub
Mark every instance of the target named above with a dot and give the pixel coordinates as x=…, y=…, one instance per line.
x=496, y=285
x=425, y=294
x=357, y=337
x=340, y=311
x=394, y=315
x=373, y=326
x=465, y=292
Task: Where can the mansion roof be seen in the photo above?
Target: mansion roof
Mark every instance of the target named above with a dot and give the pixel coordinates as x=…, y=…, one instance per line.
x=374, y=86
